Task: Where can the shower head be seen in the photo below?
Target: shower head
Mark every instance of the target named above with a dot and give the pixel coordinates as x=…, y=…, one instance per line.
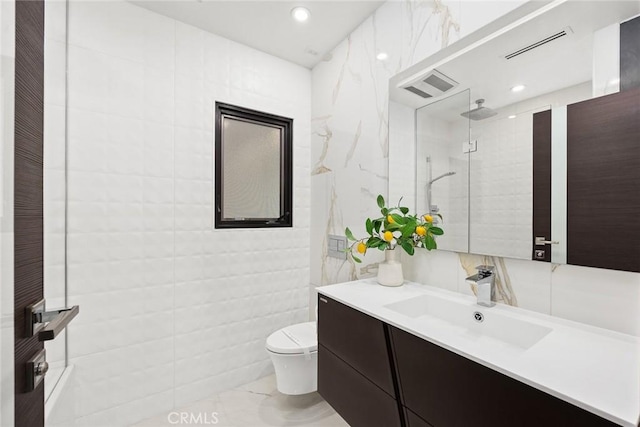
x=441, y=176
x=480, y=112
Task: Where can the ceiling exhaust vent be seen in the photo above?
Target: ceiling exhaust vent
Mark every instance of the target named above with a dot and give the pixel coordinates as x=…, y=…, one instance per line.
x=562, y=33
x=431, y=85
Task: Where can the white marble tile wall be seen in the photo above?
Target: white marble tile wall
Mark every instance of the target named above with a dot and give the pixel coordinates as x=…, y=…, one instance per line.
x=350, y=140
x=350, y=146
x=171, y=309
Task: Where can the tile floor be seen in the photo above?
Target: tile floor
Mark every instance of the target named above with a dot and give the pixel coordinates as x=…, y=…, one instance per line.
x=253, y=405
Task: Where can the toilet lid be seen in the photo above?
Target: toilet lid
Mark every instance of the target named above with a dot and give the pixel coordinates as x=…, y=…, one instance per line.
x=294, y=339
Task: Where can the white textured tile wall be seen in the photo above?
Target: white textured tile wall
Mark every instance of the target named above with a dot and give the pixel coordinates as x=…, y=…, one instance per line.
x=172, y=310
x=350, y=138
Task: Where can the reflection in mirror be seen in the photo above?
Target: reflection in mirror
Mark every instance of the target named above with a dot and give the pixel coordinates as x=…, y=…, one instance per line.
x=253, y=168
x=548, y=58
x=442, y=167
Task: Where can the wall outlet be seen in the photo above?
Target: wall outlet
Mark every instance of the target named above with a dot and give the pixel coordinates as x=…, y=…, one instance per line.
x=336, y=246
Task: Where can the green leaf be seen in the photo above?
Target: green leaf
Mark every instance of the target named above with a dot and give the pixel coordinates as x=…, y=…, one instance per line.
x=430, y=242
x=356, y=259
x=404, y=210
x=408, y=248
x=369, y=226
x=374, y=242
x=380, y=201
x=384, y=211
x=437, y=231
x=377, y=224
x=408, y=230
x=349, y=234
x=398, y=219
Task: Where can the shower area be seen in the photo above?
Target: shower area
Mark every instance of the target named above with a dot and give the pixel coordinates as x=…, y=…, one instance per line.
x=472, y=157
x=442, y=166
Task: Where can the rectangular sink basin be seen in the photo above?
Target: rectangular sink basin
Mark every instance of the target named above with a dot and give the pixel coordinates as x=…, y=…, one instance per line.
x=472, y=320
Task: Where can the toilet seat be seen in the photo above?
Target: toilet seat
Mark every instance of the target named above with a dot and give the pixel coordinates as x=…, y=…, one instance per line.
x=295, y=339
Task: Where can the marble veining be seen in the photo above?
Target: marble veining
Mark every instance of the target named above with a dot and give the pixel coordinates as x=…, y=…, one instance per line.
x=354, y=144
x=325, y=133
x=350, y=135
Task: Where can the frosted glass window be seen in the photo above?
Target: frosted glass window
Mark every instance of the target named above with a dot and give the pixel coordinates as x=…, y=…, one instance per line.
x=253, y=168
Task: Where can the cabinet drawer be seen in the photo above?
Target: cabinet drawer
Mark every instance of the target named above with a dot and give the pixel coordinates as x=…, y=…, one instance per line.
x=447, y=389
x=355, y=398
x=357, y=339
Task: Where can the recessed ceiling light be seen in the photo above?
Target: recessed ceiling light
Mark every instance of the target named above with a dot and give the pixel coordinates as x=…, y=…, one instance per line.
x=513, y=116
x=517, y=88
x=300, y=13
x=382, y=56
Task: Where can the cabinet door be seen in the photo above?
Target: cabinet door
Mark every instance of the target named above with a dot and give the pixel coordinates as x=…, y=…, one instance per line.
x=603, y=171
x=354, y=397
x=415, y=421
x=357, y=339
x=446, y=389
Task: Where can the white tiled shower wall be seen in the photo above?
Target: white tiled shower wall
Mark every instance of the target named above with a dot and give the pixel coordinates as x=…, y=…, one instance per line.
x=349, y=149
x=171, y=309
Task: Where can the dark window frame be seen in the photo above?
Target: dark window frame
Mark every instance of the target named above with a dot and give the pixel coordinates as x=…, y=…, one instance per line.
x=286, y=166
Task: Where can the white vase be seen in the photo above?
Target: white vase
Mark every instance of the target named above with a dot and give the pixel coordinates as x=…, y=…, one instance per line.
x=390, y=271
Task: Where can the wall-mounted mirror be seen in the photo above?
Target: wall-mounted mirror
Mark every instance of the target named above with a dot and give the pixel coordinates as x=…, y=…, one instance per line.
x=540, y=57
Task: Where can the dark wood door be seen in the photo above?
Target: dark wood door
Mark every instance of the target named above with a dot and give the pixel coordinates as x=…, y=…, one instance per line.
x=28, y=201
x=541, y=184
x=603, y=173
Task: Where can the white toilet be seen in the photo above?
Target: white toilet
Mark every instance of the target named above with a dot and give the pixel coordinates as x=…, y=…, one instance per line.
x=294, y=354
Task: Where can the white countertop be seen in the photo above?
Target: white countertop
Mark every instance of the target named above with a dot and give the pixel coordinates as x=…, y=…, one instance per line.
x=593, y=368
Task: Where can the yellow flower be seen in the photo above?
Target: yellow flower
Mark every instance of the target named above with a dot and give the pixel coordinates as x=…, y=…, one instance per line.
x=388, y=236
x=421, y=231
x=390, y=219
x=362, y=248
x=428, y=218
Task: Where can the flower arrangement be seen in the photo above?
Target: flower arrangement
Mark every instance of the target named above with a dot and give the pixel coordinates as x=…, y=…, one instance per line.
x=395, y=227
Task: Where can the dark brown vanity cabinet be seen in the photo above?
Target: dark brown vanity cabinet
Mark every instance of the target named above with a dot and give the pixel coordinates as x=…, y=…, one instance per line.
x=446, y=389
x=375, y=375
x=354, y=371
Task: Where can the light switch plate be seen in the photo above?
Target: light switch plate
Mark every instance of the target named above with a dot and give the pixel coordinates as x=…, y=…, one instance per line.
x=336, y=246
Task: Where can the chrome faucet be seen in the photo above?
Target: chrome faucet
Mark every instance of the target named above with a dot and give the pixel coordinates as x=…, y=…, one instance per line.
x=485, y=284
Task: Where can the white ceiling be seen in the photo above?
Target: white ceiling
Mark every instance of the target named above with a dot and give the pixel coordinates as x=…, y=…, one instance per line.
x=268, y=26
x=559, y=64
